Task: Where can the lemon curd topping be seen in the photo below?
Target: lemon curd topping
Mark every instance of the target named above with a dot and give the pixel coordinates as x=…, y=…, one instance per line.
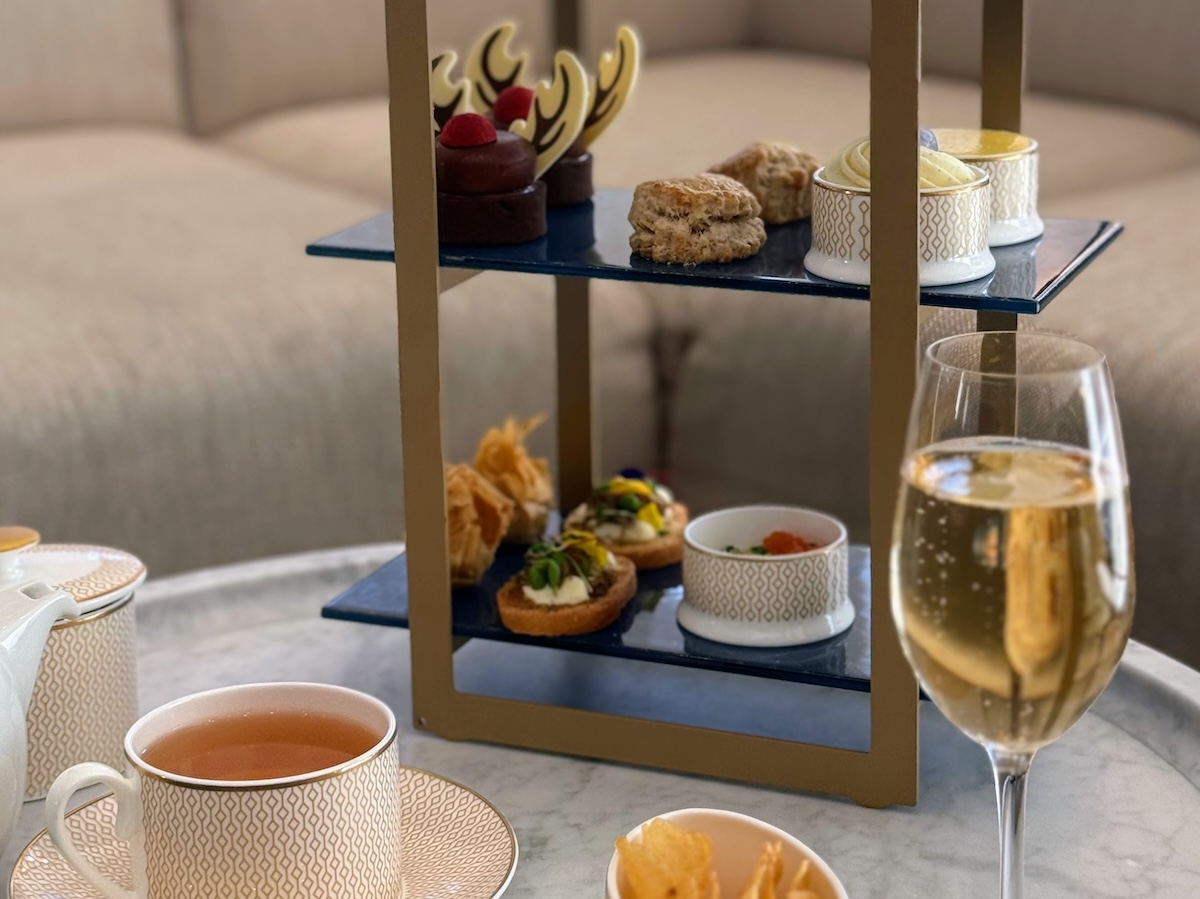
x=14, y=537
x=973, y=143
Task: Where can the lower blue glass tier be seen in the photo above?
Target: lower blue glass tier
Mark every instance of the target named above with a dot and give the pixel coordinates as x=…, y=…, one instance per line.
x=647, y=631
x=592, y=241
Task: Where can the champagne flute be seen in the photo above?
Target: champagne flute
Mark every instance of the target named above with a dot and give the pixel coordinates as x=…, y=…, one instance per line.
x=1012, y=556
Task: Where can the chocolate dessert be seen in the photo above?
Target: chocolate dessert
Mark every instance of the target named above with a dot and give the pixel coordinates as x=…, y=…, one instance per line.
x=569, y=180
x=561, y=118
x=487, y=187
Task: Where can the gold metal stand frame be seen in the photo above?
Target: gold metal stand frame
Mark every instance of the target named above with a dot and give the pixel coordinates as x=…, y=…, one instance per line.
x=887, y=773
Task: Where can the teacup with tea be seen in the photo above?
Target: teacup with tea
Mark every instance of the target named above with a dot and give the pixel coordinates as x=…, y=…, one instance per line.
x=271, y=790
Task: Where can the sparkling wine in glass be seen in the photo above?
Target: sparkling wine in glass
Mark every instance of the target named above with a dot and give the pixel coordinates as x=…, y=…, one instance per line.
x=1012, y=559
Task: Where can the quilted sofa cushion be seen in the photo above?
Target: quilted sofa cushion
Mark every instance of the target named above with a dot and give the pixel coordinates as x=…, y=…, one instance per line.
x=723, y=99
x=63, y=62
x=216, y=394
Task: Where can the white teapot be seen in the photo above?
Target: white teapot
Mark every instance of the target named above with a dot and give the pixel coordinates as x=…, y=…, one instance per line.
x=28, y=610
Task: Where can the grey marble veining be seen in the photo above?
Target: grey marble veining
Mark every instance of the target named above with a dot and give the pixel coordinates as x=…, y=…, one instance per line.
x=1113, y=809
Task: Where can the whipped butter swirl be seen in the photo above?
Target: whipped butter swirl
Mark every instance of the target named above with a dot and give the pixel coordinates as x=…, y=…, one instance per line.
x=851, y=167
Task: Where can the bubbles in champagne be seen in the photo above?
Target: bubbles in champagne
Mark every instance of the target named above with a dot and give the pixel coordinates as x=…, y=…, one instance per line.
x=1011, y=584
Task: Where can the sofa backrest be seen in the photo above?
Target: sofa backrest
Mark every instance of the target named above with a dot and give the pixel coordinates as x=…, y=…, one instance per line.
x=63, y=62
x=1139, y=53
x=248, y=57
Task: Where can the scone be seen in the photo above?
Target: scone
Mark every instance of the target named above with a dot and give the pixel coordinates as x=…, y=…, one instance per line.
x=779, y=176
x=636, y=518
x=569, y=585
x=704, y=218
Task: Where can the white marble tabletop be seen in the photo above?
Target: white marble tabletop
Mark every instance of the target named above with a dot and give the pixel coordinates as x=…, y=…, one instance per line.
x=1113, y=808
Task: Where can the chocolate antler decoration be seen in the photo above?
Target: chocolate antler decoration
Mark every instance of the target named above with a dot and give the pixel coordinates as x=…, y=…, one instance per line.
x=615, y=77
x=557, y=113
x=492, y=67
x=449, y=97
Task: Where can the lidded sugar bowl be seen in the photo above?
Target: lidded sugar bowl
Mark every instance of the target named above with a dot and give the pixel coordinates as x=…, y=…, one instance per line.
x=85, y=695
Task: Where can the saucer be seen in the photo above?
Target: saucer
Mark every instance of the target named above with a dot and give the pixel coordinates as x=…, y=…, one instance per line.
x=456, y=844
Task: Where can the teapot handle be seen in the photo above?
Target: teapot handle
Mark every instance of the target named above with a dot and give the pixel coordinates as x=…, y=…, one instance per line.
x=129, y=823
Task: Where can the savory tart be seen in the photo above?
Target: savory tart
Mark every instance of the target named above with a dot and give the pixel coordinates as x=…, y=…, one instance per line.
x=478, y=515
x=503, y=459
x=635, y=517
x=569, y=585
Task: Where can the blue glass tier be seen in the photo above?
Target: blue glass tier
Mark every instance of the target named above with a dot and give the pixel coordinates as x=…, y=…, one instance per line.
x=592, y=241
x=648, y=630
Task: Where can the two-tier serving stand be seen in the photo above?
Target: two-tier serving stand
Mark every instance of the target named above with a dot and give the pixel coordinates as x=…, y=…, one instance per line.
x=592, y=242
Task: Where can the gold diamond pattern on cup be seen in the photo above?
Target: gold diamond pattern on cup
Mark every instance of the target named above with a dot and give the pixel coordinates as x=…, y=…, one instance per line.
x=85, y=696
x=841, y=224
x=954, y=225
x=325, y=839
x=1014, y=186
x=768, y=592
x=863, y=207
x=455, y=846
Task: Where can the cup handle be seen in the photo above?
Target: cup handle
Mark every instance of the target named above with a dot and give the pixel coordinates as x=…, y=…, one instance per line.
x=129, y=820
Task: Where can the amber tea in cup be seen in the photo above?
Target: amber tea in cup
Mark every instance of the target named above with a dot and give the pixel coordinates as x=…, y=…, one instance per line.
x=260, y=745
x=276, y=791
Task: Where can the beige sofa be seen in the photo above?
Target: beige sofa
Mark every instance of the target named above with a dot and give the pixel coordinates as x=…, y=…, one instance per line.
x=181, y=380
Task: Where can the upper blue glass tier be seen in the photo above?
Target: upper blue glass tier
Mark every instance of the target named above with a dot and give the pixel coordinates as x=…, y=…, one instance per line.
x=592, y=241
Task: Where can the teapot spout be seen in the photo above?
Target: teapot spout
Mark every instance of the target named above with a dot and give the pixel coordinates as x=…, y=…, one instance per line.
x=27, y=613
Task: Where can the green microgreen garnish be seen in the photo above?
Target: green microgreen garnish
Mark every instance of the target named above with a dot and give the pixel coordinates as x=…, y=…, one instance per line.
x=537, y=577
x=629, y=503
x=549, y=563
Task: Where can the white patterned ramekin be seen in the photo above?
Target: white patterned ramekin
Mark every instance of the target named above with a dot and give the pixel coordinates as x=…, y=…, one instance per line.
x=85, y=697
x=754, y=600
x=952, y=237
x=1012, y=161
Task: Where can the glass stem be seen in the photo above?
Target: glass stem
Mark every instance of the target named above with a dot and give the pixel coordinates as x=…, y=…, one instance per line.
x=1011, y=773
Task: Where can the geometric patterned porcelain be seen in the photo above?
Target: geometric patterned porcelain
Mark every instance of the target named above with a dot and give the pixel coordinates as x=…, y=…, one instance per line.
x=1012, y=161
x=85, y=696
x=454, y=845
x=287, y=842
x=94, y=575
x=753, y=600
x=952, y=239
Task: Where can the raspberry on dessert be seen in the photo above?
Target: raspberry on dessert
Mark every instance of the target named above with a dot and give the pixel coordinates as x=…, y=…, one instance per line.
x=467, y=130
x=512, y=103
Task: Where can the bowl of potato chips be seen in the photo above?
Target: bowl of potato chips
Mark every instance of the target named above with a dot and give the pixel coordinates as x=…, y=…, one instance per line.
x=705, y=853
